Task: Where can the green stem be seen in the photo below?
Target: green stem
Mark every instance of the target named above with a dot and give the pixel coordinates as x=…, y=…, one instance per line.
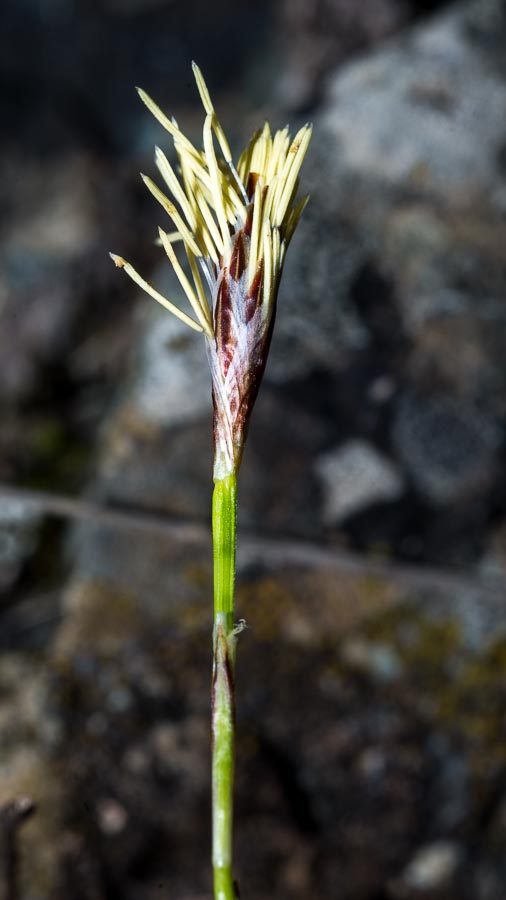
x=224, y=542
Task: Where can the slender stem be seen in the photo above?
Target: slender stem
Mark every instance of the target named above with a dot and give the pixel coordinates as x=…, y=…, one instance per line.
x=224, y=529
x=224, y=542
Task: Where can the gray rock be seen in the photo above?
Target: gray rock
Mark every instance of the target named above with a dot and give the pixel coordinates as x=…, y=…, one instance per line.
x=156, y=447
x=433, y=866
x=380, y=661
x=404, y=175
x=173, y=384
x=427, y=109
x=353, y=477
x=316, y=325
x=52, y=226
x=494, y=558
x=448, y=448
x=319, y=34
x=18, y=537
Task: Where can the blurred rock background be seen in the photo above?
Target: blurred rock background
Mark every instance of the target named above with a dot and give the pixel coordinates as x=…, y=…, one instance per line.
x=372, y=550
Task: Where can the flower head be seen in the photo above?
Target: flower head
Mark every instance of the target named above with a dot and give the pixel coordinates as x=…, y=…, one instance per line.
x=235, y=224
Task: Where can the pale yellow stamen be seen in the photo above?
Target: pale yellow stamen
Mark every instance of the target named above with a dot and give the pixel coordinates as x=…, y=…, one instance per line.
x=256, y=227
x=276, y=251
x=197, y=175
x=267, y=247
x=269, y=198
x=244, y=163
x=170, y=177
x=198, y=308
x=279, y=151
x=259, y=154
x=210, y=223
x=212, y=165
x=212, y=206
x=170, y=126
x=191, y=187
x=173, y=213
x=293, y=218
x=209, y=108
x=195, y=161
x=291, y=170
x=199, y=288
x=142, y=283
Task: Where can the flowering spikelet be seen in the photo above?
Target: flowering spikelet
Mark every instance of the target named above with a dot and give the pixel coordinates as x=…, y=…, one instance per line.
x=235, y=224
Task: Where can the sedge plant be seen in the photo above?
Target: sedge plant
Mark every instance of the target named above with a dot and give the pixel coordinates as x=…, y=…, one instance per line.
x=234, y=222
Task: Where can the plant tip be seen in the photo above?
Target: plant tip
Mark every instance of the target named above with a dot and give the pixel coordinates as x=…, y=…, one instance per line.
x=117, y=260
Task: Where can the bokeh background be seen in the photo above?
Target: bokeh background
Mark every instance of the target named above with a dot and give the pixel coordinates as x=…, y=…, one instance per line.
x=372, y=543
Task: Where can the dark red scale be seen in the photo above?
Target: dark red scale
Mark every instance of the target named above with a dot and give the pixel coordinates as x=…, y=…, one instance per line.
x=238, y=259
x=251, y=185
x=249, y=220
x=222, y=323
x=254, y=294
